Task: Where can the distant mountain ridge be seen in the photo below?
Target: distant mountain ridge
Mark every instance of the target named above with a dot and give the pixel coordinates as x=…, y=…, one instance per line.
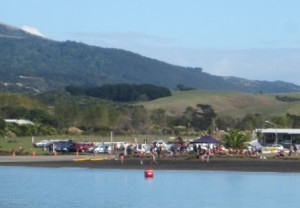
x=32, y=63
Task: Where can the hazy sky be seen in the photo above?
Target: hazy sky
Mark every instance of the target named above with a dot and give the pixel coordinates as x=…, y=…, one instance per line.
x=252, y=39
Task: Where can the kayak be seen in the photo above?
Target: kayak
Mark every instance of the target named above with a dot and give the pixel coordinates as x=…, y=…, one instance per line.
x=81, y=159
x=97, y=159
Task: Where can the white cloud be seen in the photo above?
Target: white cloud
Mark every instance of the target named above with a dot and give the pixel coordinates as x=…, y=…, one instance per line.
x=32, y=30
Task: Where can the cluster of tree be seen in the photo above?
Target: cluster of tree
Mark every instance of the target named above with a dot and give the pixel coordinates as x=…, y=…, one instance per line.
x=204, y=118
x=184, y=88
x=254, y=121
x=44, y=122
x=286, y=98
x=36, y=115
x=122, y=92
x=135, y=119
x=199, y=118
x=2, y=126
x=93, y=115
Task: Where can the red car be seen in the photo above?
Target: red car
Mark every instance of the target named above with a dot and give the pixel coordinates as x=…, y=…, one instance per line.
x=83, y=147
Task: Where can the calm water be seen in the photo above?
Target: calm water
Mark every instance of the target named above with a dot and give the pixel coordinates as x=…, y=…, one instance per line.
x=76, y=187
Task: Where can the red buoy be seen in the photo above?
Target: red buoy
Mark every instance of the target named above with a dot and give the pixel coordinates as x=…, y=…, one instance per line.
x=149, y=173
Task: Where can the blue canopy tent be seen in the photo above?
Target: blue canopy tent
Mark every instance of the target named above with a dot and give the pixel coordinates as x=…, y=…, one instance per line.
x=205, y=139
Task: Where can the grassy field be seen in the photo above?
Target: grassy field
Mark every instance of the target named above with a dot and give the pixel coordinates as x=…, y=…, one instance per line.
x=235, y=104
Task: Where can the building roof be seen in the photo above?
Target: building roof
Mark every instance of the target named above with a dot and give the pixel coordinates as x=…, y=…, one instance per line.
x=278, y=131
x=19, y=121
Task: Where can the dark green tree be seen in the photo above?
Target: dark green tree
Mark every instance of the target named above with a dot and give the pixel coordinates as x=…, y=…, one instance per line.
x=158, y=117
x=2, y=124
x=225, y=122
x=205, y=119
x=42, y=116
x=295, y=120
x=251, y=122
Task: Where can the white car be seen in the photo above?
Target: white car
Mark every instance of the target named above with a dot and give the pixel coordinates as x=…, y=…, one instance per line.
x=41, y=143
x=103, y=149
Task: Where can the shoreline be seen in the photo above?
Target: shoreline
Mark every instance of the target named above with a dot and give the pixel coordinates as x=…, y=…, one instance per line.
x=284, y=165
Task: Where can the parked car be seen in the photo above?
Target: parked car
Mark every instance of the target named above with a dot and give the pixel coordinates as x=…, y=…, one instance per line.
x=92, y=148
x=41, y=143
x=83, y=147
x=49, y=145
x=54, y=143
x=65, y=146
x=105, y=148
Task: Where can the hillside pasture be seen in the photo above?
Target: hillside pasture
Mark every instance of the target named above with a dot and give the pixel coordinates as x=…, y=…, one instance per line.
x=235, y=104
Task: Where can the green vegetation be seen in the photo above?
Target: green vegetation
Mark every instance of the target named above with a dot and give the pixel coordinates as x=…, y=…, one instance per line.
x=235, y=139
x=122, y=92
x=234, y=104
x=183, y=113
x=287, y=98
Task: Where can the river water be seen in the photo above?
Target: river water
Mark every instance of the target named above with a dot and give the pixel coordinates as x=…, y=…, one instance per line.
x=23, y=187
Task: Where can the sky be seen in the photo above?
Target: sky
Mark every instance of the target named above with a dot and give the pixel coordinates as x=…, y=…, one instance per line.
x=251, y=39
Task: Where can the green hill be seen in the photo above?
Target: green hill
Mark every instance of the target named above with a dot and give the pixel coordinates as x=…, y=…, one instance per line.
x=235, y=104
x=33, y=64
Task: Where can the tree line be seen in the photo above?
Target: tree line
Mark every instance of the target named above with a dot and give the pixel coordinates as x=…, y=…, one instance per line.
x=122, y=92
x=130, y=119
x=55, y=112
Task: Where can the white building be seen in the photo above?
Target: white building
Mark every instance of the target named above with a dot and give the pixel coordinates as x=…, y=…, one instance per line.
x=272, y=135
x=19, y=121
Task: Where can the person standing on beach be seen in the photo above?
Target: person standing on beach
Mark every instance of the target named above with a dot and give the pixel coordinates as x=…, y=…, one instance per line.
x=199, y=151
x=295, y=149
x=195, y=148
x=207, y=155
x=291, y=150
x=153, y=159
x=203, y=153
x=158, y=150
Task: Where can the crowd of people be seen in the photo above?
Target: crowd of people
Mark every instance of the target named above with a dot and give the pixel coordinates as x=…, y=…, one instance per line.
x=157, y=150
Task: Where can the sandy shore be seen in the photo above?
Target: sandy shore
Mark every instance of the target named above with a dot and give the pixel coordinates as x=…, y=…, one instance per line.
x=217, y=164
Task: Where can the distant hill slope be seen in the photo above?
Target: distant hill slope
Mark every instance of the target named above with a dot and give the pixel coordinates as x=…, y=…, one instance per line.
x=234, y=104
x=32, y=63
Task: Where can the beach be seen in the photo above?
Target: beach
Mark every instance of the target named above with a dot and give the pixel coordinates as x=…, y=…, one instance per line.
x=215, y=164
